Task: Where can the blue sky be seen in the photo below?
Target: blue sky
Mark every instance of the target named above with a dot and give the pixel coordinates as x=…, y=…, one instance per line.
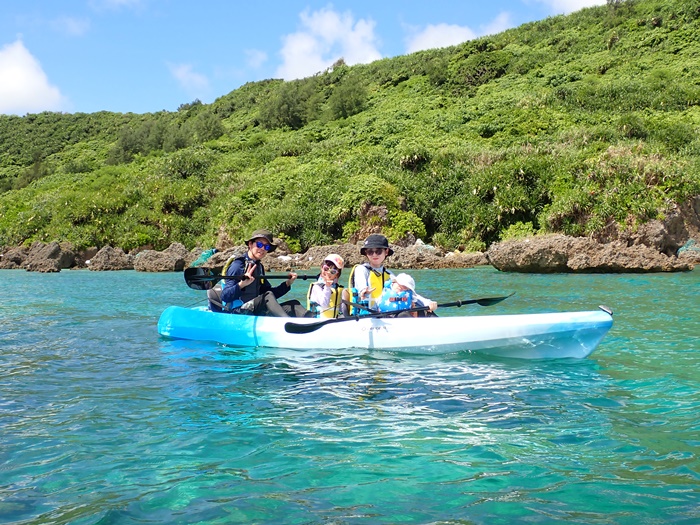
x=150, y=55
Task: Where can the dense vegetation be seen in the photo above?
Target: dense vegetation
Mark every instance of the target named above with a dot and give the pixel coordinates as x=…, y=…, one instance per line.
x=566, y=124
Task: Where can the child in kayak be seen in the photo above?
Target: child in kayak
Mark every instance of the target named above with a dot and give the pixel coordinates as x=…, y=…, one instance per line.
x=325, y=297
x=401, y=295
x=367, y=280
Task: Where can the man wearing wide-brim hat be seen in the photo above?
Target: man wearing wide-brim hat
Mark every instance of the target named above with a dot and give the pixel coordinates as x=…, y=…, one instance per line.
x=262, y=235
x=253, y=294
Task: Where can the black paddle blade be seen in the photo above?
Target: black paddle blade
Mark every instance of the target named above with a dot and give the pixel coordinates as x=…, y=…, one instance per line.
x=485, y=301
x=295, y=328
x=201, y=278
x=488, y=301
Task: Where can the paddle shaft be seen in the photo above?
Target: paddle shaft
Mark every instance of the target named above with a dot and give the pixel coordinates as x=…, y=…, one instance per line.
x=215, y=278
x=205, y=278
x=294, y=328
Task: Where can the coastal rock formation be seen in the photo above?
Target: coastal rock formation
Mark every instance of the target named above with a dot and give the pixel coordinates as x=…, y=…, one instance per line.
x=314, y=257
x=416, y=256
x=681, y=223
x=13, y=259
x=51, y=257
x=617, y=257
x=218, y=260
x=41, y=257
x=560, y=253
x=655, y=246
x=111, y=259
x=463, y=260
x=690, y=252
x=84, y=257
x=174, y=258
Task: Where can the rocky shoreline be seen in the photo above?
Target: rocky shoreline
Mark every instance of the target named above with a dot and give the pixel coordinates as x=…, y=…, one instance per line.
x=671, y=245
x=540, y=254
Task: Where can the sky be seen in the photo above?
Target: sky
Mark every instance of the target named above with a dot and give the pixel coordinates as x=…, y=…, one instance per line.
x=144, y=56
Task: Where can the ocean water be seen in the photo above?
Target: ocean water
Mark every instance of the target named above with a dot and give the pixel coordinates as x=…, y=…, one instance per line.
x=104, y=422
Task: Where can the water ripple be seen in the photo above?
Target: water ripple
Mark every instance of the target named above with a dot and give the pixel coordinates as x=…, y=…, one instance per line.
x=102, y=422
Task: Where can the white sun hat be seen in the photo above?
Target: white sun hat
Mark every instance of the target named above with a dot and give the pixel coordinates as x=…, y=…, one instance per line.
x=406, y=280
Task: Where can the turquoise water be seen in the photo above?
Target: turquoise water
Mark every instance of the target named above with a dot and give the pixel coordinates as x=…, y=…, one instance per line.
x=103, y=422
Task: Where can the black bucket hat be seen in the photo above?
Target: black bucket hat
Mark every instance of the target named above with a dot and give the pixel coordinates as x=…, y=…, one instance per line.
x=263, y=234
x=376, y=240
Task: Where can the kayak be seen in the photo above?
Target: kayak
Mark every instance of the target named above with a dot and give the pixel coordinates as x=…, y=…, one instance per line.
x=525, y=336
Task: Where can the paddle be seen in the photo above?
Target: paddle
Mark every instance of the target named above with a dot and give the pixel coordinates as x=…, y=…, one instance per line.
x=205, y=278
x=294, y=328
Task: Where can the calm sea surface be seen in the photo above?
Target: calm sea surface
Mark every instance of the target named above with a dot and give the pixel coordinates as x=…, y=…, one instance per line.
x=104, y=422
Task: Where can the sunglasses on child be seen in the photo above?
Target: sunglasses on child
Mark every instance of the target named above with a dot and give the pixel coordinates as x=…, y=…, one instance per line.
x=374, y=251
x=329, y=268
x=261, y=244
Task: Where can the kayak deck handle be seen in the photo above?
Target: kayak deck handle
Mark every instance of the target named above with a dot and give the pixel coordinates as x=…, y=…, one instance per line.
x=606, y=309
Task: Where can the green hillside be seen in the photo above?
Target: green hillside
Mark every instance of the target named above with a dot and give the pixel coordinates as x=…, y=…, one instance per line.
x=563, y=125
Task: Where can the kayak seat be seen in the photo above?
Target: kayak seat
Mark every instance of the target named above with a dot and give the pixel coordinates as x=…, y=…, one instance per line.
x=214, y=296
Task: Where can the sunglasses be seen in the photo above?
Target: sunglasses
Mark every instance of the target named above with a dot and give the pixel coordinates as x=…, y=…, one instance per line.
x=374, y=251
x=260, y=244
x=329, y=268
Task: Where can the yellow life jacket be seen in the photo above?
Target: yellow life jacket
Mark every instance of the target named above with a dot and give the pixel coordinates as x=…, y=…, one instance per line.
x=377, y=280
x=228, y=263
x=334, y=304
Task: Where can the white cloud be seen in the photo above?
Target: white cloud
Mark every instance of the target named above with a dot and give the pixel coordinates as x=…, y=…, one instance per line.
x=255, y=58
x=443, y=35
x=114, y=4
x=439, y=35
x=499, y=24
x=195, y=84
x=25, y=87
x=71, y=26
x=326, y=36
x=569, y=6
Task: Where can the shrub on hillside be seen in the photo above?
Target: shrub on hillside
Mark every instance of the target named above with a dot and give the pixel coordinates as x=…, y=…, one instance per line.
x=348, y=98
x=190, y=162
x=290, y=106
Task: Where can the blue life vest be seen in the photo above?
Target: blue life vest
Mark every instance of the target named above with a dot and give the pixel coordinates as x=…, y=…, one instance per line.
x=391, y=301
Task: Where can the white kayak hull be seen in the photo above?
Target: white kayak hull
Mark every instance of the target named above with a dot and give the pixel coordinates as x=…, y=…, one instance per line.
x=528, y=336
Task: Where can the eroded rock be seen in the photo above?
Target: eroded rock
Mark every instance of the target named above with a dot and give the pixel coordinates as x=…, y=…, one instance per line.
x=174, y=258
x=111, y=259
x=561, y=254
x=51, y=257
